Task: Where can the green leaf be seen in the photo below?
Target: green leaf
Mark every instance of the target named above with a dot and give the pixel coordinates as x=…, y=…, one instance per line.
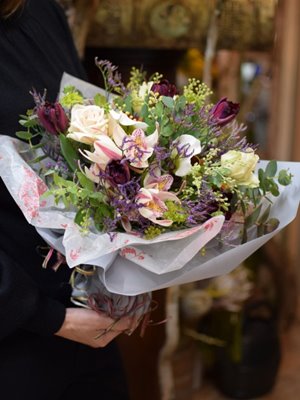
x=144, y=111
x=168, y=101
x=97, y=196
x=159, y=109
x=167, y=131
x=85, y=182
x=100, y=100
x=217, y=179
x=80, y=216
x=284, y=178
x=260, y=230
x=128, y=104
x=271, y=169
x=68, y=152
x=271, y=225
x=101, y=212
x=273, y=188
x=264, y=217
x=38, y=159
x=26, y=135
x=180, y=103
x=61, y=182
x=252, y=218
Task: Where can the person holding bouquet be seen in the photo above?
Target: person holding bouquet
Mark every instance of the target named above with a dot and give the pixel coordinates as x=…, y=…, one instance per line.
x=48, y=348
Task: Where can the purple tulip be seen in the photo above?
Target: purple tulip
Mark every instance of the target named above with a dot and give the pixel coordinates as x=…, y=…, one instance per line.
x=224, y=111
x=53, y=118
x=164, y=88
x=118, y=172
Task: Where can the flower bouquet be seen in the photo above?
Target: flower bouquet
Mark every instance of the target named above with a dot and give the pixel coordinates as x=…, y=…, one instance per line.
x=142, y=188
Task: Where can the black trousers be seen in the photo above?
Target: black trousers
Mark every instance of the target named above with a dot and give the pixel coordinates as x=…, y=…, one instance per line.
x=39, y=368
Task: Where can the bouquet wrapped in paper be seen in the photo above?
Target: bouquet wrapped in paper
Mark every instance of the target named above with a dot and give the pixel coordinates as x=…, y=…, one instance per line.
x=141, y=188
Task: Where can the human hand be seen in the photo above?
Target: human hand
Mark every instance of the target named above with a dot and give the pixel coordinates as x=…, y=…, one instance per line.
x=92, y=328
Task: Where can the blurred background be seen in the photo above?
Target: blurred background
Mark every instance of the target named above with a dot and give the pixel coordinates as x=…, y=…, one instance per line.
x=235, y=336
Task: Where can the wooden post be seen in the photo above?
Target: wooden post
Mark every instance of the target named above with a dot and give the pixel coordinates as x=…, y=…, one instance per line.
x=284, y=127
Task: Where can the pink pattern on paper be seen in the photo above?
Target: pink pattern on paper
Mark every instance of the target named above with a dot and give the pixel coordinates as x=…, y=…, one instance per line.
x=43, y=203
x=130, y=253
x=209, y=225
x=184, y=234
x=74, y=254
x=31, y=190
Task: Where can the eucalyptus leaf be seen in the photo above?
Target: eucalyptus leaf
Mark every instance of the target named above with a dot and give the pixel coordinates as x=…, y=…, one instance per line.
x=271, y=169
x=252, y=218
x=168, y=101
x=271, y=225
x=180, y=103
x=265, y=215
x=159, y=109
x=26, y=135
x=284, y=178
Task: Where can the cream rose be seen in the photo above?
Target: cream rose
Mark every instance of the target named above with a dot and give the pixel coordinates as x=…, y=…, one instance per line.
x=88, y=122
x=240, y=166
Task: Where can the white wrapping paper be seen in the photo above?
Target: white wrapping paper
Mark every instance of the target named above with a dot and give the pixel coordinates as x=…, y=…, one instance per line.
x=128, y=264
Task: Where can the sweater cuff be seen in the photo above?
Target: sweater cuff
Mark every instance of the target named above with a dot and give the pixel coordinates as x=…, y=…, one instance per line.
x=48, y=318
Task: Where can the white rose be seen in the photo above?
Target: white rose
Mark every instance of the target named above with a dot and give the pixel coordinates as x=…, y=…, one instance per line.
x=240, y=166
x=88, y=122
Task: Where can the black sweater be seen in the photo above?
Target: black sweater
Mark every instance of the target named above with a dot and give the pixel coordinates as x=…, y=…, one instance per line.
x=35, y=49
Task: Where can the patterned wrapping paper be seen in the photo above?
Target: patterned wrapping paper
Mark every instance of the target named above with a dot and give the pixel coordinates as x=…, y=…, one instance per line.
x=128, y=264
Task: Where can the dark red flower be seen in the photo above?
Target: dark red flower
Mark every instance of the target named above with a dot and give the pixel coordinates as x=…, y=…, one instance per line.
x=224, y=111
x=53, y=118
x=164, y=88
x=118, y=172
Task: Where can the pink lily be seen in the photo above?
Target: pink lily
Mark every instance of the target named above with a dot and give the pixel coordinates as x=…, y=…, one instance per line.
x=105, y=151
x=155, y=180
x=124, y=120
x=138, y=147
x=92, y=173
x=152, y=204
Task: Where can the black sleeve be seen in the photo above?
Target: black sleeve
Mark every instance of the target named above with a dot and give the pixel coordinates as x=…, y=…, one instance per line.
x=22, y=305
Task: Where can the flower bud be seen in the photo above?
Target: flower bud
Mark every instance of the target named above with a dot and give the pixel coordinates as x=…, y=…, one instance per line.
x=53, y=118
x=224, y=112
x=164, y=88
x=118, y=172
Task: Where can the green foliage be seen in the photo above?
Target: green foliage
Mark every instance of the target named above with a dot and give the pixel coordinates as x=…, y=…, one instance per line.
x=82, y=196
x=69, y=152
x=71, y=97
x=100, y=101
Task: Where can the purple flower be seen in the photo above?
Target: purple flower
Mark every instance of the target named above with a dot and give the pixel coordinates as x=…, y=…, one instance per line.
x=53, y=118
x=164, y=88
x=118, y=173
x=224, y=111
